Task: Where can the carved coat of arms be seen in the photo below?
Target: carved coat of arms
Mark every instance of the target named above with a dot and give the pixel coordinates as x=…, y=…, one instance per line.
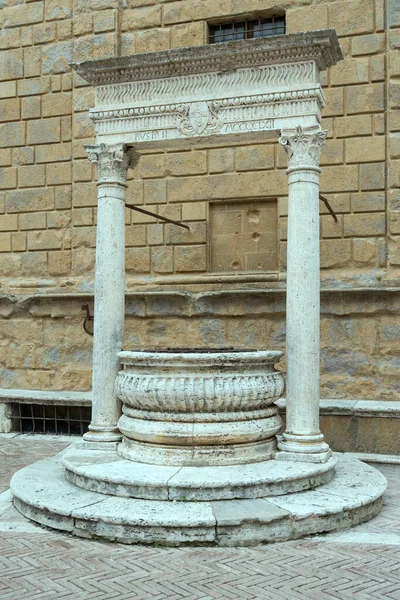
x=197, y=118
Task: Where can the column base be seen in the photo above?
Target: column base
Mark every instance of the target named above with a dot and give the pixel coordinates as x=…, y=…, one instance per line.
x=97, y=434
x=304, y=448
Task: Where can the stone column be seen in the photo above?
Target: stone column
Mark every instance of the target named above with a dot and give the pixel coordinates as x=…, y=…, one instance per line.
x=109, y=307
x=302, y=439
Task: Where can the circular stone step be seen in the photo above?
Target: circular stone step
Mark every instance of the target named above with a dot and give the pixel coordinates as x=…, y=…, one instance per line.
x=107, y=473
x=42, y=494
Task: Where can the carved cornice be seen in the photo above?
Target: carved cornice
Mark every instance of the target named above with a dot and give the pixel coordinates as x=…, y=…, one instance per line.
x=112, y=162
x=303, y=147
x=319, y=46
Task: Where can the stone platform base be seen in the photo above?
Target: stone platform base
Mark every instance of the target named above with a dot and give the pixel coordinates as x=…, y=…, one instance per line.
x=42, y=494
x=107, y=473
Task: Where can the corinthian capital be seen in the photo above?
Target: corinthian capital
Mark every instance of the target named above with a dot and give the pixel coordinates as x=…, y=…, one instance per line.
x=303, y=146
x=112, y=161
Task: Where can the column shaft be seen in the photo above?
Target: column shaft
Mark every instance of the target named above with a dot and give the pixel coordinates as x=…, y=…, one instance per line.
x=109, y=306
x=302, y=439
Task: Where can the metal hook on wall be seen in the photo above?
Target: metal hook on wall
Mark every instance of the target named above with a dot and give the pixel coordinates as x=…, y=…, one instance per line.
x=88, y=318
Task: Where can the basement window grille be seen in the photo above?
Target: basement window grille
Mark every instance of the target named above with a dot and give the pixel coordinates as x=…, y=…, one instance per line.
x=39, y=418
x=245, y=30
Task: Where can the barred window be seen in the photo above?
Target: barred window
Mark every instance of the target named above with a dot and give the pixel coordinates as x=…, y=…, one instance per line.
x=244, y=30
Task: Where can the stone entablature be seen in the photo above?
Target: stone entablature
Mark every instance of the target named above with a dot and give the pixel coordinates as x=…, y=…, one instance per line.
x=219, y=91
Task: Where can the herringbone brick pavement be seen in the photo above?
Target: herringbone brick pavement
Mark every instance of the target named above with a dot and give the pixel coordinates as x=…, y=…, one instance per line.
x=39, y=564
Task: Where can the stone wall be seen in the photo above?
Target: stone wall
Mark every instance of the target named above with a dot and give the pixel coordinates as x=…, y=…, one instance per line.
x=48, y=198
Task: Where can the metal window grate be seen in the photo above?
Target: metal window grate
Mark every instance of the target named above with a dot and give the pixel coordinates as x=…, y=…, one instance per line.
x=244, y=30
x=40, y=418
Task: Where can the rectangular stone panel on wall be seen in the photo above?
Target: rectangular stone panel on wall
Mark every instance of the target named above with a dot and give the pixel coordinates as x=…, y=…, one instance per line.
x=244, y=236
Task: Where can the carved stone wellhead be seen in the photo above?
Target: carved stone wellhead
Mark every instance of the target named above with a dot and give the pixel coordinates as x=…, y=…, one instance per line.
x=199, y=408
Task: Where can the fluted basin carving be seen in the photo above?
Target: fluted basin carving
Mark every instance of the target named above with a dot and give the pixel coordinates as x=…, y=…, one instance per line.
x=199, y=408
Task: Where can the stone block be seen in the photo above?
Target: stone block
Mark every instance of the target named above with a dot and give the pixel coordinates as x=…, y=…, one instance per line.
x=11, y=65
x=152, y=165
x=372, y=176
x=31, y=107
x=104, y=21
x=84, y=237
x=63, y=197
x=176, y=235
x=155, y=191
x=83, y=126
x=190, y=259
x=368, y=44
x=368, y=149
x=307, y=18
x=34, y=87
x=83, y=99
x=251, y=158
x=330, y=228
x=8, y=178
x=137, y=260
x=353, y=126
x=56, y=104
x=82, y=24
x=128, y=41
x=58, y=220
x=18, y=242
x=394, y=94
x=66, y=129
x=230, y=185
x=58, y=10
x=152, y=40
x=335, y=253
x=64, y=29
x=5, y=157
x=44, y=131
x=32, y=176
x=32, y=221
x=339, y=179
x=59, y=263
x=334, y=102
x=56, y=57
x=83, y=260
x=82, y=170
x=58, y=173
x=32, y=62
x=82, y=216
x=25, y=14
x=9, y=109
x=53, y=153
x=365, y=98
x=364, y=225
x=44, y=33
x=351, y=18
x=5, y=242
x=186, y=163
x=195, y=211
x=34, y=264
x=84, y=194
x=188, y=34
x=8, y=223
x=394, y=222
x=8, y=89
x=23, y=156
x=393, y=13
x=332, y=153
x=162, y=260
x=44, y=240
x=351, y=71
x=135, y=235
x=140, y=18
x=171, y=211
x=9, y=38
x=155, y=234
x=30, y=200
x=368, y=202
x=220, y=160
x=101, y=45
x=377, y=68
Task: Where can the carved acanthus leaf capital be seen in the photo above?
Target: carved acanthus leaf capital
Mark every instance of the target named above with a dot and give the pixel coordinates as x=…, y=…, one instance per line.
x=113, y=161
x=303, y=146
